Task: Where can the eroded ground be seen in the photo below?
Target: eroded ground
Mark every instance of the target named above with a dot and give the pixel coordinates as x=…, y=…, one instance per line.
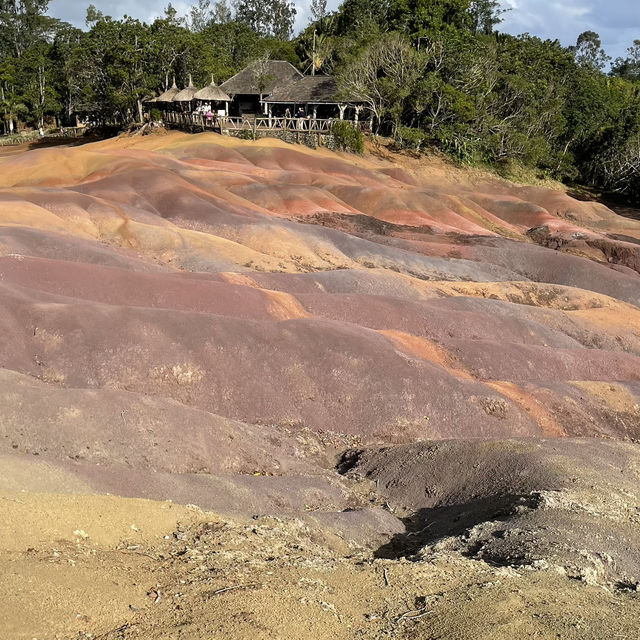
x=285, y=338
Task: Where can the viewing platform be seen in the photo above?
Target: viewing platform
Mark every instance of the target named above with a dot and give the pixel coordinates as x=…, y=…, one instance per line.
x=309, y=131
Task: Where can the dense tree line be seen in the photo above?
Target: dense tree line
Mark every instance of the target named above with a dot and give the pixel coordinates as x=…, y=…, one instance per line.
x=432, y=72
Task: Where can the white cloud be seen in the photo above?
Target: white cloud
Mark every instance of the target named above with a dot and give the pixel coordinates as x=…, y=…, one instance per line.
x=615, y=20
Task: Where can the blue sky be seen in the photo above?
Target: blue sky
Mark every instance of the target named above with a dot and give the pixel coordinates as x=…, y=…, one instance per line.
x=617, y=21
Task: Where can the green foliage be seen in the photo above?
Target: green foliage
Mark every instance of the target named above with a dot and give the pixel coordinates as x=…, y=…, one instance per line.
x=629, y=67
x=428, y=18
x=268, y=18
x=49, y=69
x=411, y=138
x=429, y=72
x=22, y=24
x=347, y=137
x=360, y=16
x=485, y=15
x=589, y=52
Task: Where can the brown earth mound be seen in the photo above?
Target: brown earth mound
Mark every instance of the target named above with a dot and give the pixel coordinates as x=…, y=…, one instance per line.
x=514, y=503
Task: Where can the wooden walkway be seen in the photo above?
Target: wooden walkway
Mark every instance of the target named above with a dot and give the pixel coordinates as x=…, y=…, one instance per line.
x=229, y=124
x=33, y=136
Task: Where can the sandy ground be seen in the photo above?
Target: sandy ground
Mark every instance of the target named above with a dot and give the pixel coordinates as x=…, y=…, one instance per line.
x=105, y=567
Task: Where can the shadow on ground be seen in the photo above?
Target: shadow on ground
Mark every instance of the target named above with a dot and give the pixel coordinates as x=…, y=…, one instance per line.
x=428, y=526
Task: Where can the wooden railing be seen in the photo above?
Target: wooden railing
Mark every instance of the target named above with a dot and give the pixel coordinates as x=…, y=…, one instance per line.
x=313, y=125
x=253, y=123
x=190, y=120
x=32, y=136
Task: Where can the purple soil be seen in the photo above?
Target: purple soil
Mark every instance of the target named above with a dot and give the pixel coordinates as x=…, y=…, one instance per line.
x=202, y=305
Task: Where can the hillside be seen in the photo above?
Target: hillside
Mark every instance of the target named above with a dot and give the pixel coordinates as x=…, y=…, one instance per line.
x=345, y=363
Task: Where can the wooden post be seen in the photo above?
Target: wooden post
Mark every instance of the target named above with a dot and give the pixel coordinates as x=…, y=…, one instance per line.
x=343, y=108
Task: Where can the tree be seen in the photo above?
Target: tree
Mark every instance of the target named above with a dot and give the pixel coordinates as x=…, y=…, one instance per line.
x=12, y=107
x=111, y=70
x=360, y=16
x=260, y=71
x=485, y=15
x=318, y=10
x=317, y=50
x=268, y=18
x=522, y=118
x=589, y=53
x=222, y=14
x=200, y=15
x=93, y=16
x=62, y=77
x=22, y=23
x=382, y=77
x=39, y=91
x=171, y=14
x=429, y=18
x=628, y=67
x=169, y=51
x=613, y=163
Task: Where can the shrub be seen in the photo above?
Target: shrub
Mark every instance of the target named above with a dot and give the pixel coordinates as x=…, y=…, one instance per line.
x=410, y=138
x=347, y=137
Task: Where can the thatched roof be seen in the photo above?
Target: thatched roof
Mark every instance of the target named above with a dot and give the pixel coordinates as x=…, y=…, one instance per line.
x=212, y=93
x=186, y=95
x=307, y=90
x=273, y=73
x=169, y=94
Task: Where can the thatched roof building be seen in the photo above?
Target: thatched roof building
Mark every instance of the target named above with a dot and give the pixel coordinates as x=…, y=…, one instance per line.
x=187, y=94
x=317, y=96
x=261, y=78
x=307, y=90
x=212, y=93
x=169, y=94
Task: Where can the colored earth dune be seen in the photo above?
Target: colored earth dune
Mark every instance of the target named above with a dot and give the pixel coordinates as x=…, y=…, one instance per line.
x=222, y=322
x=277, y=286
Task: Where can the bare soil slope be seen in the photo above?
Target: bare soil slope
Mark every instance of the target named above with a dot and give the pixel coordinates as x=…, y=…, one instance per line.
x=403, y=396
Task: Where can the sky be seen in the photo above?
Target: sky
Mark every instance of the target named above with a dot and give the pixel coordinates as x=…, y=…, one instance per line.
x=617, y=21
